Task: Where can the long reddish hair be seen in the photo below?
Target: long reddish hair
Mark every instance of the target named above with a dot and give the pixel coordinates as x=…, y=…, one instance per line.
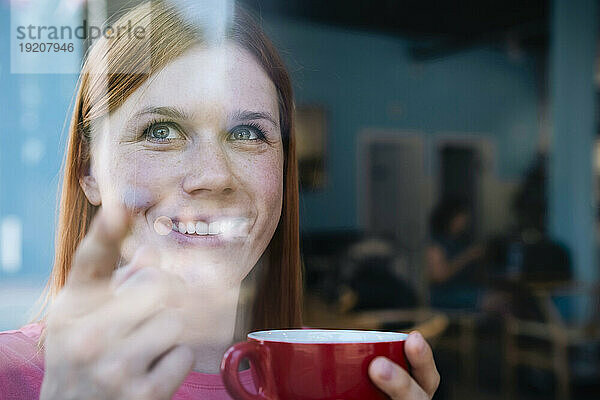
x=114, y=68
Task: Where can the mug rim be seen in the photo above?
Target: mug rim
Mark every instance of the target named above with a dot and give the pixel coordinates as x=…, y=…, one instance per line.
x=388, y=337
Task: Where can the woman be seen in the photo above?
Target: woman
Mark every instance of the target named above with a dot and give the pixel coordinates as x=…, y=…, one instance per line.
x=452, y=259
x=180, y=165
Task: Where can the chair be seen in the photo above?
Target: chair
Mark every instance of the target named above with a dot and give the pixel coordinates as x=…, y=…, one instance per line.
x=555, y=331
x=463, y=343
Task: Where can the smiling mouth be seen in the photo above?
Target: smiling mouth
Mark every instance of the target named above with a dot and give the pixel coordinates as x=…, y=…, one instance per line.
x=227, y=227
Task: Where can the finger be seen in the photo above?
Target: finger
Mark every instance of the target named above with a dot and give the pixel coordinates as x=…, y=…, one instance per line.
x=121, y=315
x=420, y=358
x=145, y=256
x=166, y=376
x=152, y=278
x=114, y=320
x=395, y=381
x=147, y=343
x=75, y=302
x=98, y=253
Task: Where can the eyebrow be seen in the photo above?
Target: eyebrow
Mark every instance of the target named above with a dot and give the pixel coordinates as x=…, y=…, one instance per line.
x=171, y=112
x=180, y=114
x=244, y=115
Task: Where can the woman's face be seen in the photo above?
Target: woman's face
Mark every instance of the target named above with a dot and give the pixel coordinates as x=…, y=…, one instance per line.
x=199, y=142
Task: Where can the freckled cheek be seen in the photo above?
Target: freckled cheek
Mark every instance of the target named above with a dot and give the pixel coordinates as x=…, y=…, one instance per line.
x=137, y=181
x=268, y=189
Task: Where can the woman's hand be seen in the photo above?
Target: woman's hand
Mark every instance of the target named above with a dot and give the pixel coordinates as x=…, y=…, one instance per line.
x=397, y=383
x=113, y=337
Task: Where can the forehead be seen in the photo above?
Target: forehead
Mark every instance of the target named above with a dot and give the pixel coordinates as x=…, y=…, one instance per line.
x=211, y=80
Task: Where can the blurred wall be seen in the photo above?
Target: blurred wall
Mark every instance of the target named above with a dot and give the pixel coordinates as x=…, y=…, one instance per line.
x=34, y=109
x=573, y=206
x=369, y=81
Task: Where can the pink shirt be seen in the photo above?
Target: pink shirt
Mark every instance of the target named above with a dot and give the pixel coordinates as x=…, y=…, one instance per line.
x=22, y=371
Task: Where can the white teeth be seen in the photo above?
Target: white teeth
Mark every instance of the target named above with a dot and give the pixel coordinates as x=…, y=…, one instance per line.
x=191, y=227
x=214, y=228
x=201, y=228
x=233, y=227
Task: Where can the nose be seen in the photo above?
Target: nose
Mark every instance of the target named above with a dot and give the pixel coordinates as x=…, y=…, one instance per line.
x=208, y=169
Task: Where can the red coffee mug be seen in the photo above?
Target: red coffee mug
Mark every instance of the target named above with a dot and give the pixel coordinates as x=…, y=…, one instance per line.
x=311, y=364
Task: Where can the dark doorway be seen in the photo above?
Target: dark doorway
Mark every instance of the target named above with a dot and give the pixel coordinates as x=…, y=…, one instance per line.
x=459, y=172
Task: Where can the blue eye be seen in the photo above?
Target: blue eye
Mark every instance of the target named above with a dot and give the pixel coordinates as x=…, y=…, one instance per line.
x=161, y=132
x=247, y=132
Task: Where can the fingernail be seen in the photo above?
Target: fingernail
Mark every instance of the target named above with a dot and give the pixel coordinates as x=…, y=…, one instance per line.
x=416, y=333
x=420, y=346
x=163, y=225
x=383, y=368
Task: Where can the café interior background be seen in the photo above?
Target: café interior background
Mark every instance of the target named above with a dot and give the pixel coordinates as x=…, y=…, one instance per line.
x=404, y=108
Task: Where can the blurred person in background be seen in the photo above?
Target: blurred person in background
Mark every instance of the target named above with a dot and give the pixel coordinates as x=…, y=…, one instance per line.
x=452, y=257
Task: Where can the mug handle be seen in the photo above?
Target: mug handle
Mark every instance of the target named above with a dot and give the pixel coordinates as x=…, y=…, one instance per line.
x=258, y=356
